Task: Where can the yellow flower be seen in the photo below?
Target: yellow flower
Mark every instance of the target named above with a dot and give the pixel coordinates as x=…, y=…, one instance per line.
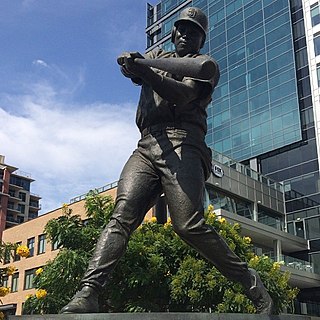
x=222, y=220
x=39, y=271
x=247, y=239
x=23, y=251
x=10, y=270
x=167, y=224
x=276, y=266
x=41, y=293
x=153, y=219
x=211, y=215
x=210, y=207
x=4, y=291
x=254, y=261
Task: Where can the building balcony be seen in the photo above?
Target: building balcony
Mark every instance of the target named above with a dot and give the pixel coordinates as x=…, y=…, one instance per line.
x=34, y=206
x=12, y=209
x=34, y=196
x=32, y=215
x=13, y=198
x=14, y=186
x=302, y=273
x=265, y=235
x=11, y=221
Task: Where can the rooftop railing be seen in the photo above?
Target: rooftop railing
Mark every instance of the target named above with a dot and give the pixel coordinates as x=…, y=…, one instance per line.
x=295, y=263
x=99, y=190
x=225, y=160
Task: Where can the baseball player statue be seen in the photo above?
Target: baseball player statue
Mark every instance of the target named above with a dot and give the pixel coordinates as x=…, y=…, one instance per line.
x=171, y=158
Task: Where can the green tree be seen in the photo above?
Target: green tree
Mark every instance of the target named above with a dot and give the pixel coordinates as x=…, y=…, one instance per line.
x=159, y=272
x=7, y=251
x=58, y=280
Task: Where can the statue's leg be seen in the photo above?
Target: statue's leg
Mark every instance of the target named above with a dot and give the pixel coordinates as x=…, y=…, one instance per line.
x=138, y=189
x=183, y=184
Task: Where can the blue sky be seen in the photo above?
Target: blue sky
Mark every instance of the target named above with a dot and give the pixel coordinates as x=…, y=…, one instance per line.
x=66, y=112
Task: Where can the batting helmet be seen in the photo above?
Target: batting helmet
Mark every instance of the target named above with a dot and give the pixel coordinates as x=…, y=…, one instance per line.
x=194, y=15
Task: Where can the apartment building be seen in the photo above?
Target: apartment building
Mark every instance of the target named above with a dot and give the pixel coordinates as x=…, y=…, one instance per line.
x=17, y=203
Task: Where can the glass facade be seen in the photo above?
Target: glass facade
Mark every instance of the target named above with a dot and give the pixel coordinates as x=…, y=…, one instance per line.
x=297, y=164
x=221, y=200
x=255, y=106
x=262, y=111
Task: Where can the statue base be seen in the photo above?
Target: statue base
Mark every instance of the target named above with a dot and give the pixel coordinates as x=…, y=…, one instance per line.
x=163, y=316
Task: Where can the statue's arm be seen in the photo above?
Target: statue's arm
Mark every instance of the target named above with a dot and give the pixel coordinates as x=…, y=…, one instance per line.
x=174, y=91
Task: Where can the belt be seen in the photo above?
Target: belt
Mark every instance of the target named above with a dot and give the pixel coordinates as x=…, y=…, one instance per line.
x=161, y=127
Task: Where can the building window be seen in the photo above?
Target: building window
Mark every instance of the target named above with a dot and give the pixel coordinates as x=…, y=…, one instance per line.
x=42, y=244
x=55, y=246
x=6, y=257
x=270, y=219
x=315, y=14
x=5, y=281
x=30, y=245
x=223, y=201
x=16, y=257
x=316, y=42
x=318, y=73
x=28, y=280
x=22, y=196
x=15, y=282
x=21, y=208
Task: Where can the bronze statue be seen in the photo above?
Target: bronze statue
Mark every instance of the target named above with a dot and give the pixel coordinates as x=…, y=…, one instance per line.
x=171, y=157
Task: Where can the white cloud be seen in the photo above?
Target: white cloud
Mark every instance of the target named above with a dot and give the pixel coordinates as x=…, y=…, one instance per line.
x=40, y=62
x=68, y=149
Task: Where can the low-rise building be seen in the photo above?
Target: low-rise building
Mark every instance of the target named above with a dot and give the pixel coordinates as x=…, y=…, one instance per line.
x=237, y=193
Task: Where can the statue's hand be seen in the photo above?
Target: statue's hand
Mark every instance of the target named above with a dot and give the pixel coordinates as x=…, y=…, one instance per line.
x=128, y=67
x=121, y=58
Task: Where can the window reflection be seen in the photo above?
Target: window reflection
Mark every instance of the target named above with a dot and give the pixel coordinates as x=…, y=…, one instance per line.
x=271, y=219
x=315, y=14
x=223, y=201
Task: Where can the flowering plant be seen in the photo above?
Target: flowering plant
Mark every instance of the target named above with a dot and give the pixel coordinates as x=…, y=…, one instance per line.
x=10, y=270
x=39, y=271
x=23, y=251
x=4, y=291
x=41, y=293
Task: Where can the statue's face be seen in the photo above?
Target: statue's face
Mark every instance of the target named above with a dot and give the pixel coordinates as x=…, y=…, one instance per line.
x=188, y=38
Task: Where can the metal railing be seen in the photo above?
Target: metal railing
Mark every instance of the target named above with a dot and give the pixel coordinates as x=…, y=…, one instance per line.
x=99, y=190
x=225, y=160
x=294, y=263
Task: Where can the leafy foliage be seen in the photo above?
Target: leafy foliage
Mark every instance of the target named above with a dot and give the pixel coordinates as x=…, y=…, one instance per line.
x=9, y=250
x=159, y=272
x=76, y=239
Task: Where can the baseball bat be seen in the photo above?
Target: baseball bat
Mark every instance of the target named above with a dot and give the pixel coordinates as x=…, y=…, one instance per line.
x=203, y=69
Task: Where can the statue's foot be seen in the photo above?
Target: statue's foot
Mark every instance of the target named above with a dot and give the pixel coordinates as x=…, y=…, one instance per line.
x=259, y=295
x=85, y=301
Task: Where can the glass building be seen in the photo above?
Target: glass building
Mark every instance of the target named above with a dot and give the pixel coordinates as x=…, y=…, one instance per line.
x=265, y=109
